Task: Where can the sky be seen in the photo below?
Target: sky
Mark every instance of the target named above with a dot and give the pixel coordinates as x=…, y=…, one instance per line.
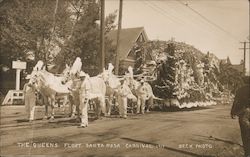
x=217, y=26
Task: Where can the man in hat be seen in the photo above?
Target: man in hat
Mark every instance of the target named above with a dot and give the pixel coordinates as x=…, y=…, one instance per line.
x=142, y=95
x=241, y=108
x=75, y=91
x=123, y=92
x=29, y=93
x=84, y=98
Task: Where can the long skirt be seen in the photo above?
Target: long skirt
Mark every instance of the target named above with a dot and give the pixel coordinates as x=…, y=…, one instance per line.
x=30, y=103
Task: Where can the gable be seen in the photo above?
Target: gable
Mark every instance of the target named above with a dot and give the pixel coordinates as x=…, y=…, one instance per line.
x=128, y=37
x=141, y=38
x=131, y=55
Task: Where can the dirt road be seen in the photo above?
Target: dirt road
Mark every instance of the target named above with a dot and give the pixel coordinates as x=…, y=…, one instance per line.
x=201, y=132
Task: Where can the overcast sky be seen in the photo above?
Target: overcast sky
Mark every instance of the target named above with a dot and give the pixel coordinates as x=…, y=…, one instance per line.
x=217, y=26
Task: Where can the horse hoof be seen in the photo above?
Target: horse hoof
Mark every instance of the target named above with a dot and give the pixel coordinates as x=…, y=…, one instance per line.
x=99, y=118
x=78, y=120
x=51, y=118
x=83, y=125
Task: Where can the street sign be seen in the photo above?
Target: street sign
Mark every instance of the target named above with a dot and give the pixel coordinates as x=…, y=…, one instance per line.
x=18, y=65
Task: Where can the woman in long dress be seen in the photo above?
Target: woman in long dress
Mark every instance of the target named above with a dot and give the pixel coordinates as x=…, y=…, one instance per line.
x=29, y=92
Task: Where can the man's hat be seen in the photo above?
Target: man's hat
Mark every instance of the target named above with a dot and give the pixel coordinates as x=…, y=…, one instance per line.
x=121, y=79
x=82, y=74
x=28, y=77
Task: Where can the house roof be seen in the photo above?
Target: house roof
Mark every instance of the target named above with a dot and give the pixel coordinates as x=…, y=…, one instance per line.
x=223, y=61
x=128, y=37
x=226, y=61
x=238, y=67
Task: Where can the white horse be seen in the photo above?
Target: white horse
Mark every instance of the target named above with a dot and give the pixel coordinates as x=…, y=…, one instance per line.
x=134, y=84
x=49, y=86
x=112, y=84
x=90, y=88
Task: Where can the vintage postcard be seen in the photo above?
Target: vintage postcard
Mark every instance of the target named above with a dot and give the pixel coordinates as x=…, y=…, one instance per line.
x=126, y=78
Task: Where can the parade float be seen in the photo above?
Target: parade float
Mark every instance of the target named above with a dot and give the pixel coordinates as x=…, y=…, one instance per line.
x=184, y=76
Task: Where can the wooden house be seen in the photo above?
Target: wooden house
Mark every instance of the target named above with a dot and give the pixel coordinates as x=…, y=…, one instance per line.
x=128, y=38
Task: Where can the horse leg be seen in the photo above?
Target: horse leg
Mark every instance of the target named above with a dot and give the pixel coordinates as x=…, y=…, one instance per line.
x=52, y=108
x=77, y=106
x=84, y=109
x=109, y=103
x=143, y=101
x=78, y=110
x=71, y=106
x=150, y=103
x=65, y=101
x=103, y=105
x=45, y=100
x=139, y=102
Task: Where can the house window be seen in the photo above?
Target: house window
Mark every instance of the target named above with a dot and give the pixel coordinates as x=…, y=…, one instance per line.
x=148, y=57
x=131, y=55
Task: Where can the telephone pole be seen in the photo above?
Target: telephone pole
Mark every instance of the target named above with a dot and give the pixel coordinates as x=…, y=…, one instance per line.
x=102, y=39
x=117, y=58
x=244, y=58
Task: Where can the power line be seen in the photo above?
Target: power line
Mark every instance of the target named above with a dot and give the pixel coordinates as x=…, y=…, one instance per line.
x=169, y=9
x=209, y=21
x=200, y=24
x=194, y=24
x=155, y=8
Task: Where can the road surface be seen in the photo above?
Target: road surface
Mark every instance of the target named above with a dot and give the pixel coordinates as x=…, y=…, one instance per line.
x=200, y=132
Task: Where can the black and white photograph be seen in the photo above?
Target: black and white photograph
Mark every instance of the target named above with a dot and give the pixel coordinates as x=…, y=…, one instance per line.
x=125, y=78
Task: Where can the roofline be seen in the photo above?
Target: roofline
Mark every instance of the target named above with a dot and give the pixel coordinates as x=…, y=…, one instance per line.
x=141, y=32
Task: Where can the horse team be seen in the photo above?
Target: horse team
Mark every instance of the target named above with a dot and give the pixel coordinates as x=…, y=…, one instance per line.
x=78, y=88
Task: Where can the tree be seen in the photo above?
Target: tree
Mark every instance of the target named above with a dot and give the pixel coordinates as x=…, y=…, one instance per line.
x=165, y=86
x=30, y=29
x=85, y=39
x=230, y=78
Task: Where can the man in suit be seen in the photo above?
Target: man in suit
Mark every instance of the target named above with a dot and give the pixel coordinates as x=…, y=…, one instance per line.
x=123, y=93
x=241, y=108
x=142, y=95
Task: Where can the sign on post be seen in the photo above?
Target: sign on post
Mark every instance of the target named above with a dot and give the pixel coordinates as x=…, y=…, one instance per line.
x=18, y=65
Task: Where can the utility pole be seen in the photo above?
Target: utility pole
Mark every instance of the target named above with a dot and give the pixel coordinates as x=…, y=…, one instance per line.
x=102, y=41
x=117, y=58
x=244, y=58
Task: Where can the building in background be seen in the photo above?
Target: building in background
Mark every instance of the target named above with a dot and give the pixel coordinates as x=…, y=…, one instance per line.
x=238, y=67
x=128, y=38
